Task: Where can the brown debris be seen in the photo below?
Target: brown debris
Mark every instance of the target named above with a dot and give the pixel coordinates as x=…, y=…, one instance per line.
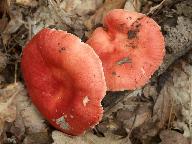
x=158, y=113
x=3, y=61
x=172, y=137
x=37, y=138
x=97, y=18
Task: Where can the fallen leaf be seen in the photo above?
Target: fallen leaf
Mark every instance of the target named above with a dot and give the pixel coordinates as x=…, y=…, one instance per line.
x=18, y=128
x=37, y=138
x=172, y=137
x=88, y=138
x=162, y=108
x=12, y=26
x=179, y=87
x=133, y=5
x=160, y=116
x=183, y=127
x=15, y=22
x=174, y=100
x=31, y=3
x=3, y=23
x=150, y=91
x=7, y=104
x=71, y=5
x=32, y=119
x=97, y=18
x=157, y=7
x=3, y=61
x=88, y=7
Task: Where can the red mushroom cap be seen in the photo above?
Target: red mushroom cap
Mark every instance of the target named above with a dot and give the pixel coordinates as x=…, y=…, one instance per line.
x=65, y=80
x=130, y=46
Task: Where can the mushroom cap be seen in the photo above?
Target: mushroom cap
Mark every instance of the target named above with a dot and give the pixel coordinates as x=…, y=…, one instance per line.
x=65, y=80
x=131, y=48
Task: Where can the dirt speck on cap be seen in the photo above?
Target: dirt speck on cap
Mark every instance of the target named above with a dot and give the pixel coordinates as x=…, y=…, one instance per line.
x=62, y=123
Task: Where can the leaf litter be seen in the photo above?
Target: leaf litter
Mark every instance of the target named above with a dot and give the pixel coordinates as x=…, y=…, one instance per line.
x=159, y=112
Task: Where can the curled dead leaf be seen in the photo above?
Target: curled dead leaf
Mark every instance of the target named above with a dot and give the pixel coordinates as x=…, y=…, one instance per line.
x=3, y=61
x=133, y=5
x=7, y=104
x=97, y=18
x=172, y=137
x=31, y=3
x=87, y=138
x=31, y=118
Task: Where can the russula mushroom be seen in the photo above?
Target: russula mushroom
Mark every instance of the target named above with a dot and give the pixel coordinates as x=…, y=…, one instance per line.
x=65, y=80
x=131, y=48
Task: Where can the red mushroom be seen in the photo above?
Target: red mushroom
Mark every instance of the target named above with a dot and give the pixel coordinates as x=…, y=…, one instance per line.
x=130, y=46
x=65, y=80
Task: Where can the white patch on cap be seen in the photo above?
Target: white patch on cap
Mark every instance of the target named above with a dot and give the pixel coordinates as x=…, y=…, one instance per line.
x=85, y=100
x=71, y=116
x=143, y=71
x=62, y=123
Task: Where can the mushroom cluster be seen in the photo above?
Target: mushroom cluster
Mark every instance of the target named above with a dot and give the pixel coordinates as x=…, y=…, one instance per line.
x=67, y=79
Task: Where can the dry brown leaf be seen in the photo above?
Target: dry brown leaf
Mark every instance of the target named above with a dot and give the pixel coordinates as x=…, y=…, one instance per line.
x=162, y=108
x=16, y=107
x=125, y=116
x=70, y=5
x=88, y=138
x=31, y=3
x=3, y=61
x=160, y=117
x=133, y=5
x=97, y=18
x=4, y=6
x=172, y=137
x=13, y=25
x=37, y=138
x=134, y=118
x=3, y=23
x=18, y=128
x=32, y=119
x=181, y=126
x=157, y=7
x=15, y=22
x=150, y=91
x=179, y=87
x=41, y=18
x=71, y=14
x=173, y=101
x=7, y=104
x=125, y=103
x=87, y=7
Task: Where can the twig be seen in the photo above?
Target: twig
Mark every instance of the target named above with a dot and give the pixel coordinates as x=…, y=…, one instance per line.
x=171, y=111
x=15, y=75
x=190, y=111
x=156, y=8
x=132, y=125
x=135, y=117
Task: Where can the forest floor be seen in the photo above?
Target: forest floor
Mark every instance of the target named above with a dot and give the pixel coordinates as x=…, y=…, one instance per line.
x=159, y=112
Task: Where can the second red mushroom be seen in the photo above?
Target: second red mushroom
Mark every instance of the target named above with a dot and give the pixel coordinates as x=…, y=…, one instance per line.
x=131, y=48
